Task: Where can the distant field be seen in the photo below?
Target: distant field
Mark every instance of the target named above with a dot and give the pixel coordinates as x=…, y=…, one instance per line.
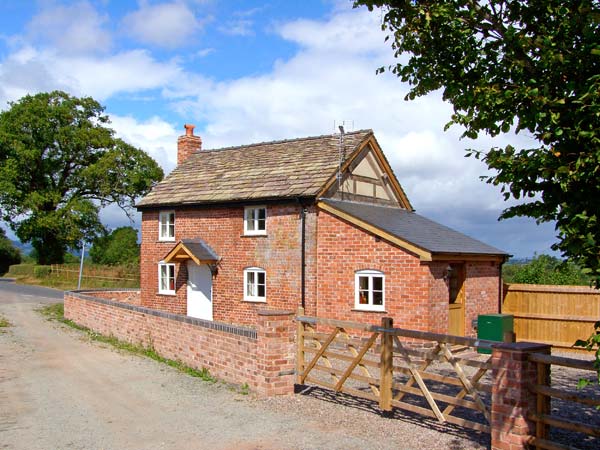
x=65, y=276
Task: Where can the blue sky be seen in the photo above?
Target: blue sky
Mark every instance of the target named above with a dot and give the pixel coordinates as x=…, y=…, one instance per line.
x=247, y=71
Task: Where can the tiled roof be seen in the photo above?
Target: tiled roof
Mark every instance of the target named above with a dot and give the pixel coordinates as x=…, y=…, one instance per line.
x=269, y=170
x=414, y=229
x=200, y=249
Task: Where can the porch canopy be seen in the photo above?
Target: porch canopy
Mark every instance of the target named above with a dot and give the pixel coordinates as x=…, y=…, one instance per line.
x=192, y=249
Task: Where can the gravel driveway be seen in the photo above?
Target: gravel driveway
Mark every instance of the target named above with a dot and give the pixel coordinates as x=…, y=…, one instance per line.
x=58, y=390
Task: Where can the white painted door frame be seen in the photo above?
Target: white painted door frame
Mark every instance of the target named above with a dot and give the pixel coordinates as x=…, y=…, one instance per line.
x=199, y=291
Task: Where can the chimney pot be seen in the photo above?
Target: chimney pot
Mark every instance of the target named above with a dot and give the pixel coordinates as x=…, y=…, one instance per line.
x=189, y=129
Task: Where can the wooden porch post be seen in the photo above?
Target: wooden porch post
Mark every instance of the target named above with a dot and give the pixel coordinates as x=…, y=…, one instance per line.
x=299, y=346
x=387, y=365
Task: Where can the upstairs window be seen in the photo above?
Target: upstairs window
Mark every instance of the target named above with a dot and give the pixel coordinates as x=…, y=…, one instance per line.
x=370, y=290
x=166, y=226
x=255, y=285
x=166, y=278
x=255, y=220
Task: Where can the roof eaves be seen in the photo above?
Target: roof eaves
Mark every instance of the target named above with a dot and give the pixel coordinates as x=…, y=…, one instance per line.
x=233, y=202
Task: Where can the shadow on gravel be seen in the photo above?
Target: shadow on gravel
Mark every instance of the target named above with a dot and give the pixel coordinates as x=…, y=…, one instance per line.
x=478, y=438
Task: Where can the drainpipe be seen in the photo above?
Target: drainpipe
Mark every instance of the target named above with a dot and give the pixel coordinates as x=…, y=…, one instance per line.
x=303, y=252
x=500, y=285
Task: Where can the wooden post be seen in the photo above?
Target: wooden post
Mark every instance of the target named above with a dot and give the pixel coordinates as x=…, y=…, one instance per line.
x=299, y=346
x=387, y=365
x=542, y=406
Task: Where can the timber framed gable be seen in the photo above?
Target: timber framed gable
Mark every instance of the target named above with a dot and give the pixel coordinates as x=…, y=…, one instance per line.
x=367, y=177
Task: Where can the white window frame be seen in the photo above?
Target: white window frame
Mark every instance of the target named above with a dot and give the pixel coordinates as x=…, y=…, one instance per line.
x=169, y=267
x=253, y=296
x=163, y=218
x=251, y=217
x=370, y=275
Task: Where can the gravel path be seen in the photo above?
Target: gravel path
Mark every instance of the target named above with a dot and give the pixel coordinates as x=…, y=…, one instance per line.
x=59, y=390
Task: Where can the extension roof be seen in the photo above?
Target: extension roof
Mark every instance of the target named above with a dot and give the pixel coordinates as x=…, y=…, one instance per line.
x=408, y=229
x=269, y=170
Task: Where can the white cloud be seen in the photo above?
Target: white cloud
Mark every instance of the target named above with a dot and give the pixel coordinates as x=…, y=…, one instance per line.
x=347, y=32
x=155, y=136
x=76, y=28
x=29, y=71
x=166, y=25
x=129, y=71
x=238, y=27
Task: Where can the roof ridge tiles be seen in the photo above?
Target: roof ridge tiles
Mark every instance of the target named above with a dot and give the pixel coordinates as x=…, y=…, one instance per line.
x=284, y=141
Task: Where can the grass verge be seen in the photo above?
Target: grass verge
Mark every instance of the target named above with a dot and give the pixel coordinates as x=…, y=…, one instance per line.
x=4, y=323
x=70, y=284
x=66, y=276
x=56, y=312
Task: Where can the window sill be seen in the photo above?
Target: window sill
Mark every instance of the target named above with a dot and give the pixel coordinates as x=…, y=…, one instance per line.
x=254, y=235
x=166, y=240
x=247, y=300
x=168, y=294
x=380, y=311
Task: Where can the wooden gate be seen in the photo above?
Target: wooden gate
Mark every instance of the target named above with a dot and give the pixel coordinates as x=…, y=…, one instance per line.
x=436, y=375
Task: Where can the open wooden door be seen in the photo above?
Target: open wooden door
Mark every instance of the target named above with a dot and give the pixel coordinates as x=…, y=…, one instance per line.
x=456, y=299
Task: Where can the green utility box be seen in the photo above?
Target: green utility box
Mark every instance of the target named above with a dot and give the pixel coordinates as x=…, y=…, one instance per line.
x=495, y=327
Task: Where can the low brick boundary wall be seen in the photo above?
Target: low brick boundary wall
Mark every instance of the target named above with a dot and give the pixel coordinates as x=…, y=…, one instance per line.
x=131, y=296
x=263, y=357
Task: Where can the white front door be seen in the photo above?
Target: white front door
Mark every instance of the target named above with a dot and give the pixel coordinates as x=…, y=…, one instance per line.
x=199, y=291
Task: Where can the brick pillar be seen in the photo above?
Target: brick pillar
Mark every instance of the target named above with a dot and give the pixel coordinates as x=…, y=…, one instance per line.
x=275, y=353
x=511, y=399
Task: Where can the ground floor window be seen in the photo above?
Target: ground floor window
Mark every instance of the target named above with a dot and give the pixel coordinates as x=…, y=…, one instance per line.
x=255, y=285
x=370, y=292
x=166, y=278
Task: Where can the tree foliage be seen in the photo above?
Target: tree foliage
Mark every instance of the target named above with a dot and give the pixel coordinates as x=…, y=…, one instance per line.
x=59, y=164
x=9, y=254
x=545, y=269
x=120, y=247
x=528, y=66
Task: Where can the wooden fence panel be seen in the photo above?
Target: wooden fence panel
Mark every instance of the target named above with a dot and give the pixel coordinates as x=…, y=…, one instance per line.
x=555, y=315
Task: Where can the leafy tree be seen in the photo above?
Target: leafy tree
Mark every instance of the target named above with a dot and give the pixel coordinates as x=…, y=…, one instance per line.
x=531, y=66
x=545, y=269
x=59, y=164
x=591, y=344
x=117, y=248
x=9, y=254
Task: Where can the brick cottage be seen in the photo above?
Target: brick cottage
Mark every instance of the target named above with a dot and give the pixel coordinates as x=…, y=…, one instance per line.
x=320, y=222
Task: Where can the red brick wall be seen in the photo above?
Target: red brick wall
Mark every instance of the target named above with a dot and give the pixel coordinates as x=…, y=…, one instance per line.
x=266, y=362
x=222, y=228
x=512, y=398
x=482, y=291
x=416, y=293
x=342, y=250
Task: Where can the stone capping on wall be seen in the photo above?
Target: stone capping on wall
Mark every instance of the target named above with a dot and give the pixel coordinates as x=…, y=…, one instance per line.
x=84, y=294
x=274, y=312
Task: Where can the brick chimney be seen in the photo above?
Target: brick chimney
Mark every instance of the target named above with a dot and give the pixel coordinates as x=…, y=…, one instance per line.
x=188, y=144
